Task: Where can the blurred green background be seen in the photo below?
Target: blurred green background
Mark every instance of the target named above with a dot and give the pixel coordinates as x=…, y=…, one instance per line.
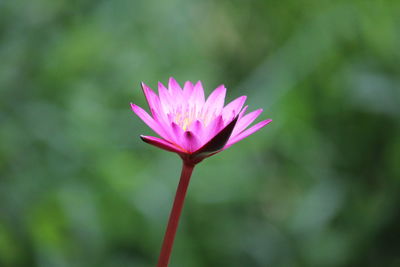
x=317, y=187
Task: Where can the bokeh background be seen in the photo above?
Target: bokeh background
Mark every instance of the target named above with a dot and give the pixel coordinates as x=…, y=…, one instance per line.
x=317, y=187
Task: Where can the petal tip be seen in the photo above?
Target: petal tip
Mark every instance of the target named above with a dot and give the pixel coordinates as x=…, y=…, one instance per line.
x=221, y=87
x=173, y=84
x=189, y=135
x=199, y=84
x=144, y=138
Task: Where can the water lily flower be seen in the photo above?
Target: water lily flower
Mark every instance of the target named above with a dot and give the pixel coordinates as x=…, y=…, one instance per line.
x=191, y=126
x=194, y=128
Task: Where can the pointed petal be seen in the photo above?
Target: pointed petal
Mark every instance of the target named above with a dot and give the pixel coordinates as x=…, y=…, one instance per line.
x=246, y=133
x=213, y=128
x=243, y=111
x=245, y=121
x=197, y=128
x=177, y=134
x=197, y=96
x=215, y=102
x=217, y=142
x=174, y=88
x=160, y=143
x=173, y=84
x=233, y=108
x=146, y=118
x=190, y=141
x=163, y=122
x=166, y=100
x=152, y=99
x=187, y=90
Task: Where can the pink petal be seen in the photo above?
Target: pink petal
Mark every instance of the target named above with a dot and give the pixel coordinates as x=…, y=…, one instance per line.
x=216, y=143
x=175, y=90
x=246, y=133
x=246, y=121
x=213, y=128
x=177, y=134
x=166, y=100
x=197, y=97
x=243, y=111
x=187, y=90
x=161, y=143
x=152, y=99
x=146, y=118
x=190, y=141
x=233, y=108
x=215, y=102
x=164, y=123
x=173, y=85
x=197, y=128
x=155, y=107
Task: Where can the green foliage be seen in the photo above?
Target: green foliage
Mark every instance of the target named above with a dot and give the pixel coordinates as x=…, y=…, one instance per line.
x=317, y=187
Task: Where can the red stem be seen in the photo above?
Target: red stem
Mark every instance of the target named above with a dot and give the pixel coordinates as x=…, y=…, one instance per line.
x=173, y=222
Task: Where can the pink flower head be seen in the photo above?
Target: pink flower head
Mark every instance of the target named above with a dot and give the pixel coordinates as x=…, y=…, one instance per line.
x=191, y=126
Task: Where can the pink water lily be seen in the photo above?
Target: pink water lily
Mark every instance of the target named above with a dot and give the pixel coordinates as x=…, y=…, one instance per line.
x=195, y=129
x=192, y=126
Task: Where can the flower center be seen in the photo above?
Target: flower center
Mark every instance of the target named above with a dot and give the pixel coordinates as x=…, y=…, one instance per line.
x=184, y=120
x=185, y=117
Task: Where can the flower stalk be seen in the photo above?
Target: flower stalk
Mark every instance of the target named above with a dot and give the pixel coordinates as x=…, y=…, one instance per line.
x=173, y=222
